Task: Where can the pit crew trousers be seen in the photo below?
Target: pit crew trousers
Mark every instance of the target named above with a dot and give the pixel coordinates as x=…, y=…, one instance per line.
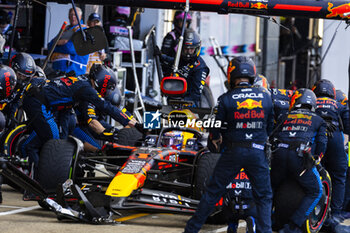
x=230, y=163
x=336, y=163
x=287, y=164
x=45, y=125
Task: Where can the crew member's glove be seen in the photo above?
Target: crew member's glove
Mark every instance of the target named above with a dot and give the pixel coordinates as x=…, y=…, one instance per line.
x=140, y=128
x=330, y=128
x=109, y=135
x=11, y=122
x=157, y=51
x=309, y=160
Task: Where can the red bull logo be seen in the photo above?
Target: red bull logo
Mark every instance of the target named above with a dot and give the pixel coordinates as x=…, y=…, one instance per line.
x=249, y=104
x=338, y=10
x=298, y=116
x=259, y=5
x=238, y=4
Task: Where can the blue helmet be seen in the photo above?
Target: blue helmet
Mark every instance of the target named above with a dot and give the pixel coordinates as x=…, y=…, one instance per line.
x=324, y=88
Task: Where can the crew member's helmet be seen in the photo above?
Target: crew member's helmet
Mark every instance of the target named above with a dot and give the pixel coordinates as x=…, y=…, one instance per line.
x=8, y=81
x=324, y=88
x=121, y=16
x=39, y=73
x=114, y=97
x=24, y=66
x=241, y=67
x=303, y=98
x=191, y=46
x=341, y=97
x=103, y=78
x=179, y=18
x=261, y=81
x=2, y=122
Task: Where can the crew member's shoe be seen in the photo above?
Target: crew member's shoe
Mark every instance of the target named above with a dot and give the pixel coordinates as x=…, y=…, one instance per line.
x=288, y=229
x=341, y=229
x=333, y=225
x=250, y=225
x=232, y=228
x=345, y=214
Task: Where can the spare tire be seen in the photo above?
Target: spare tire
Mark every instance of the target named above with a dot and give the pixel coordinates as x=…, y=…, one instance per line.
x=54, y=164
x=288, y=198
x=128, y=136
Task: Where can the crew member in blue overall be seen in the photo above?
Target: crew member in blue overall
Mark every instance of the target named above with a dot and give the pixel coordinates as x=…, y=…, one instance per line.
x=171, y=40
x=342, y=98
x=281, y=100
x=91, y=123
x=248, y=111
x=335, y=161
x=280, y=97
x=24, y=66
x=58, y=96
x=299, y=129
x=8, y=82
x=192, y=67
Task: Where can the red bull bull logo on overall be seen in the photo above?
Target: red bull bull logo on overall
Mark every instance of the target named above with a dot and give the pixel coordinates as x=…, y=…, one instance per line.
x=249, y=104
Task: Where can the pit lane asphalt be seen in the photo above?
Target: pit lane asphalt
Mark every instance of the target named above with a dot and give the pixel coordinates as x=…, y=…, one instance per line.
x=20, y=216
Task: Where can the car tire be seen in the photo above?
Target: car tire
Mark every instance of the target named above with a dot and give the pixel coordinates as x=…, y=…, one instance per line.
x=54, y=164
x=288, y=198
x=128, y=136
x=205, y=168
x=207, y=99
x=12, y=142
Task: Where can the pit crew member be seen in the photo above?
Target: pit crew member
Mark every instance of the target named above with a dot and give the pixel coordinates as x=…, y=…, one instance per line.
x=248, y=112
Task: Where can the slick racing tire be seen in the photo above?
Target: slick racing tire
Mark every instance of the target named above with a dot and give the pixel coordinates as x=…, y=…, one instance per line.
x=205, y=167
x=290, y=194
x=128, y=136
x=12, y=144
x=14, y=140
x=207, y=99
x=54, y=164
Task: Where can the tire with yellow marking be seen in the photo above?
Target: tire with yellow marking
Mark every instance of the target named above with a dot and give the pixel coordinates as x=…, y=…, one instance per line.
x=288, y=197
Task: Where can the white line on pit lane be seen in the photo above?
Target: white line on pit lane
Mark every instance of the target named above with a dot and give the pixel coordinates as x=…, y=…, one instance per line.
x=20, y=210
x=10, y=207
x=224, y=229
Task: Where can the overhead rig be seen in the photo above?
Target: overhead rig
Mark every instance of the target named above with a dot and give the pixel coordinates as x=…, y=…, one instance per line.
x=339, y=10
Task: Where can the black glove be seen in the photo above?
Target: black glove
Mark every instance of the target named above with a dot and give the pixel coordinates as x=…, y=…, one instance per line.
x=109, y=135
x=11, y=123
x=330, y=128
x=309, y=159
x=140, y=128
x=157, y=51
